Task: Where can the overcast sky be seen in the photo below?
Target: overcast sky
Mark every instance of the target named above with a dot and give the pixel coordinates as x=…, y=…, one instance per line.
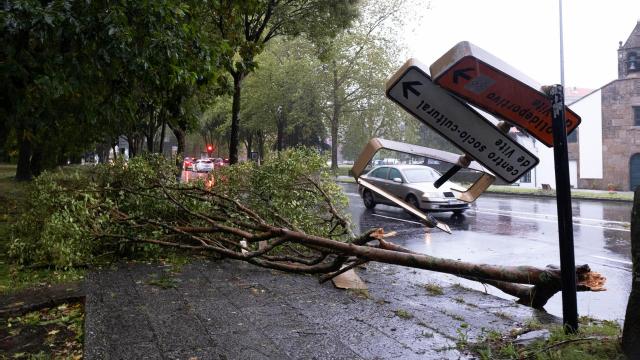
x=525, y=34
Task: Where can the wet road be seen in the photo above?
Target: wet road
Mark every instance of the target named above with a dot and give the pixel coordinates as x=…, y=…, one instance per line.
x=506, y=230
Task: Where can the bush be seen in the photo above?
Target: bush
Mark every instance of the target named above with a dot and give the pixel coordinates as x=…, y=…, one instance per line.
x=72, y=219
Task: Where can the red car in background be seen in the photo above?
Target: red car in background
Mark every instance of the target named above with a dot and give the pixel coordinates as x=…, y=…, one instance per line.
x=219, y=162
x=187, y=163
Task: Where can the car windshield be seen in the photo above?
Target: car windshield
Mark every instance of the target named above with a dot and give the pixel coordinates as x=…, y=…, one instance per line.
x=417, y=175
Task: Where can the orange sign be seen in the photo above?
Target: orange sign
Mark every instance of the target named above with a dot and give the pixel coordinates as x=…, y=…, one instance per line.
x=489, y=83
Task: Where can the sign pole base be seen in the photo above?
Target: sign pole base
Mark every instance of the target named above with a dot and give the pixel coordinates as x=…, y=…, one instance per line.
x=565, y=219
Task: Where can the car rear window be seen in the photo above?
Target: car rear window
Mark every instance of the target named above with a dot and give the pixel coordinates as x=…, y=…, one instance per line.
x=425, y=174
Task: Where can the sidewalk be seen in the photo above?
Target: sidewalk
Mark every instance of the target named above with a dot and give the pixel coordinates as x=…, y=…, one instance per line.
x=233, y=310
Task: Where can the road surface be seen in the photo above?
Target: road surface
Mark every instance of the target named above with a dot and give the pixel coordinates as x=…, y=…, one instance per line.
x=509, y=230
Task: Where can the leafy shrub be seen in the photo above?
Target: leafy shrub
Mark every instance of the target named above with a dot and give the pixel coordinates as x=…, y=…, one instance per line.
x=72, y=219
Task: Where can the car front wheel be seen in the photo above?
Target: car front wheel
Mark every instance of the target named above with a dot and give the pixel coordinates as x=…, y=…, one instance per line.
x=413, y=201
x=367, y=198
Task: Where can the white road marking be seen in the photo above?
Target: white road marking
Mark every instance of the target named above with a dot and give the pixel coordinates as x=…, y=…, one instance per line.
x=555, y=216
x=549, y=221
x=392, y=218
x=614, y=260
x=540, y=217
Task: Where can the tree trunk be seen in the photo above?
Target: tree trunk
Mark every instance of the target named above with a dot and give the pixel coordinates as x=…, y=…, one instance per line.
x=248, y=143
x=235, y=117
x=335, y=120
x=180, y=137
x=25, y=149
x=37, y=161
x=133, y=146
x=631, y=330
x=162, y=133
x=280, y=132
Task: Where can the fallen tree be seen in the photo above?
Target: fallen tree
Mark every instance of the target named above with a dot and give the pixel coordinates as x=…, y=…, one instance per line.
x=286, y=215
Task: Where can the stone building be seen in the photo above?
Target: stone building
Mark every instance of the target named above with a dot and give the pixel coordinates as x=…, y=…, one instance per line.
x=608, y=147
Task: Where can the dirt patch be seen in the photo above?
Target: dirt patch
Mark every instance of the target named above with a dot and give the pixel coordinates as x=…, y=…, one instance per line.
x=51, y=333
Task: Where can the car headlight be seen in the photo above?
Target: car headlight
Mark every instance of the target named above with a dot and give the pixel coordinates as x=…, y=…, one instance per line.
x=432, y=195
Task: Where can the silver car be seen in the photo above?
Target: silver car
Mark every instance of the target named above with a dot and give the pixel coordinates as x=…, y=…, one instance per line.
x=413, y=184
x=203, y=165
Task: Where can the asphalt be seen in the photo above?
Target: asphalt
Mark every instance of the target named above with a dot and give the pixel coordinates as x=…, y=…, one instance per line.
x=227, y=309
x=626, y=196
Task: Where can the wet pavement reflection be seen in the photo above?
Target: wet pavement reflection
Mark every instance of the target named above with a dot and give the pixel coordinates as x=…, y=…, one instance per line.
x=508, y=230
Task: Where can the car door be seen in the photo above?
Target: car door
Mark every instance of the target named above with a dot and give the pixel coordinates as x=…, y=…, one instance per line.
x=378, y=177
x=398, y=189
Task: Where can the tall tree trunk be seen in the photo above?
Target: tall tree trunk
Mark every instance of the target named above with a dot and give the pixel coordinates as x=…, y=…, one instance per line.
x=248, y=143
x=162, y=133
x=235, y=117
x=335, y=120
x=260, y=138
x=280, y=123
x=37, y=161
x=151, y=134
x=25, y=149
x=631, y=330
x=133, y=146
x=180, y=135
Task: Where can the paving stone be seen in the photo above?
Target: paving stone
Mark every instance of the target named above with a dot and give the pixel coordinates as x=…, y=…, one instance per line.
x=232, y=310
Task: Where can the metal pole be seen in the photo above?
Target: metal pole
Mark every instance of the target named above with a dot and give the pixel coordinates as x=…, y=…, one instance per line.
x=563, y=199
x=561, y=48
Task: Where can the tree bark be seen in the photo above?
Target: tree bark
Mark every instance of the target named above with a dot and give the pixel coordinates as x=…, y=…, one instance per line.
x=25, y=149
x=37, y=161
x=180, y=137
x=280, y=123
x=234, y=139
x=631, y=330
x=162, y=134
x=335, y=120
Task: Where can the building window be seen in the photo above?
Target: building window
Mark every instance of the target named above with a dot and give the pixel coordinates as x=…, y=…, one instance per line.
x=526, y=178
x=636, y=115
x=573, y=137
x=633, y=62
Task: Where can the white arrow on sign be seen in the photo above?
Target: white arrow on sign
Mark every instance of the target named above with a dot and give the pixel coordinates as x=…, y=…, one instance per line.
x=413, y=90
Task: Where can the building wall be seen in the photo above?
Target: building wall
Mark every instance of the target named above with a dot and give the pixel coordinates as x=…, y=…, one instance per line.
x=621, y=139
x=589, y=149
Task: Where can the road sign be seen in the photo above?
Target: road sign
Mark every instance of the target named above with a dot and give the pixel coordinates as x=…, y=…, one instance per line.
x=489, y=83
x=413, y=90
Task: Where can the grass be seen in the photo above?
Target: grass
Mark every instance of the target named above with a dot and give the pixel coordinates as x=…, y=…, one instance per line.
x=594, y=340
x=434, y=289
x=164, y=282
x=403, y=314
x=576, y=194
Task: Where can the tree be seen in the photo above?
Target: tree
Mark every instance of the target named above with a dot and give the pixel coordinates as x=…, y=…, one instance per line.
x=355, y=66
x=80, y=72
x=247, y=26
x=284, y=102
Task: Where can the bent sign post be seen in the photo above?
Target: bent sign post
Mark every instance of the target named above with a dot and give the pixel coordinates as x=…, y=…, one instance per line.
x=563, y=200
x=413, y=90
x=489, y=83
